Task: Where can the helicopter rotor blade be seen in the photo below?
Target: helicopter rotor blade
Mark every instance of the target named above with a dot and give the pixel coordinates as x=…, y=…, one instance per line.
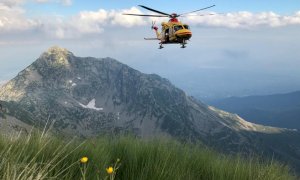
x=198, y=15
x=153, y=10
x=149, y=15
x=197, y=10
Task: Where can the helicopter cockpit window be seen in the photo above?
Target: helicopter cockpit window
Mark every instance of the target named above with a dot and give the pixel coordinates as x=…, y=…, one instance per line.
x=176, y=28
x=186, y=26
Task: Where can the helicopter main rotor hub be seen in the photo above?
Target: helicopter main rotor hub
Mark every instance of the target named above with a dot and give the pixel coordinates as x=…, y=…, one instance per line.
x=174, y=15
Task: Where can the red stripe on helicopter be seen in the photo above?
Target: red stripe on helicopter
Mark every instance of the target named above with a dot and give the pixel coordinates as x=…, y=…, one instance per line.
x=184, y=33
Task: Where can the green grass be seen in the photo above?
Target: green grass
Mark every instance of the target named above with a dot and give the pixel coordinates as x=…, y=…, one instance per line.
x=47, y=157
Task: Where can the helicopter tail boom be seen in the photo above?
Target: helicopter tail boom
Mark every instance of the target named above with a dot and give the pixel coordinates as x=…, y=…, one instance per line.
x=151, y=38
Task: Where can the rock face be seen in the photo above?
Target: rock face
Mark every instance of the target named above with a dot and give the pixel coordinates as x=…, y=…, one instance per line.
x=90, y=96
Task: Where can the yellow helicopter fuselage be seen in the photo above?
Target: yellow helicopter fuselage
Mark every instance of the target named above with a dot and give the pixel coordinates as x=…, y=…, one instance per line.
x=174, y=32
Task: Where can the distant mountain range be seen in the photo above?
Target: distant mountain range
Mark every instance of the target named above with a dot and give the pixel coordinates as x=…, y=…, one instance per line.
x=93, y=96
x=279, y=110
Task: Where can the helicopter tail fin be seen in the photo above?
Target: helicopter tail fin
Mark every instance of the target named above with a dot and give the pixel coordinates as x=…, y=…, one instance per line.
x=155, y=29
x=153, y=25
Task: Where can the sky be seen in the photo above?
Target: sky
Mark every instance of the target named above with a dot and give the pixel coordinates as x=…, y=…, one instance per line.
x=247, y=48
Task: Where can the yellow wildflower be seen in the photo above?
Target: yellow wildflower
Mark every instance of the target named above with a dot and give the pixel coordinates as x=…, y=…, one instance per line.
x=110, y=170
x=84, y=160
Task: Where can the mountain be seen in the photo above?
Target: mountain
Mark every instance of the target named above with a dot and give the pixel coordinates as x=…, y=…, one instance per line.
x=93, y=96
x=1, y=83
x=279, y=110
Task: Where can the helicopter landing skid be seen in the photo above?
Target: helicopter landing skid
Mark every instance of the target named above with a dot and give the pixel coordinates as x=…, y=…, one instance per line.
x=160, y=46
x=183, y=44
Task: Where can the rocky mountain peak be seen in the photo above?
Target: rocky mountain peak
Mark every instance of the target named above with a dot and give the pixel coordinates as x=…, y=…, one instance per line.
x=57, y=56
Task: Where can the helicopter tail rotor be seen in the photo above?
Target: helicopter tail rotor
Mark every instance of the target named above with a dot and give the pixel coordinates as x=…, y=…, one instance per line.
x=153, y=26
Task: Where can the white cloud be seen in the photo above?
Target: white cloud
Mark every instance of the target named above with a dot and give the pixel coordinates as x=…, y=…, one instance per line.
x=127, y=21
x=95, y=22
x=41, y=1
x=104, y=18
x=75, y=27
x=11, y=3
x=245, y=19
x=91, y=22
x=63, y=2
x=12, y=19
x=66, y=2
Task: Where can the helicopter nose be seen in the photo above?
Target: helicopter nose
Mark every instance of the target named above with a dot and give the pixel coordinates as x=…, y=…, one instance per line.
x=184, y=34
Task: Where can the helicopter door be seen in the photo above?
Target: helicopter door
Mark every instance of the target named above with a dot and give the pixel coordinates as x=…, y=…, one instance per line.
x=171, y=32
x=167, y=34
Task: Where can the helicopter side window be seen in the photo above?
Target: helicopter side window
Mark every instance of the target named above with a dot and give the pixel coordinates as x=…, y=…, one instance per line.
x=186, y=26
x=176, y=28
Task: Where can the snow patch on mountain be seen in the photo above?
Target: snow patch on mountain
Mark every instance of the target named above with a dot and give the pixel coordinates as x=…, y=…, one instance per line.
x=91, y=105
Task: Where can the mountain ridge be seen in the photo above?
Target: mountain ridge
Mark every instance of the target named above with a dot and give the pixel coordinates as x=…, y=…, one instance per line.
x=92, y=96
x=279, y=110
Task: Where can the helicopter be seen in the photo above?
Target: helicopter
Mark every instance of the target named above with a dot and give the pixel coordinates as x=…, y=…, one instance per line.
x=173, y=31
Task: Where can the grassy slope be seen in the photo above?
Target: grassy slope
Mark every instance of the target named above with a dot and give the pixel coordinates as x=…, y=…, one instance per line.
x=38, y=157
